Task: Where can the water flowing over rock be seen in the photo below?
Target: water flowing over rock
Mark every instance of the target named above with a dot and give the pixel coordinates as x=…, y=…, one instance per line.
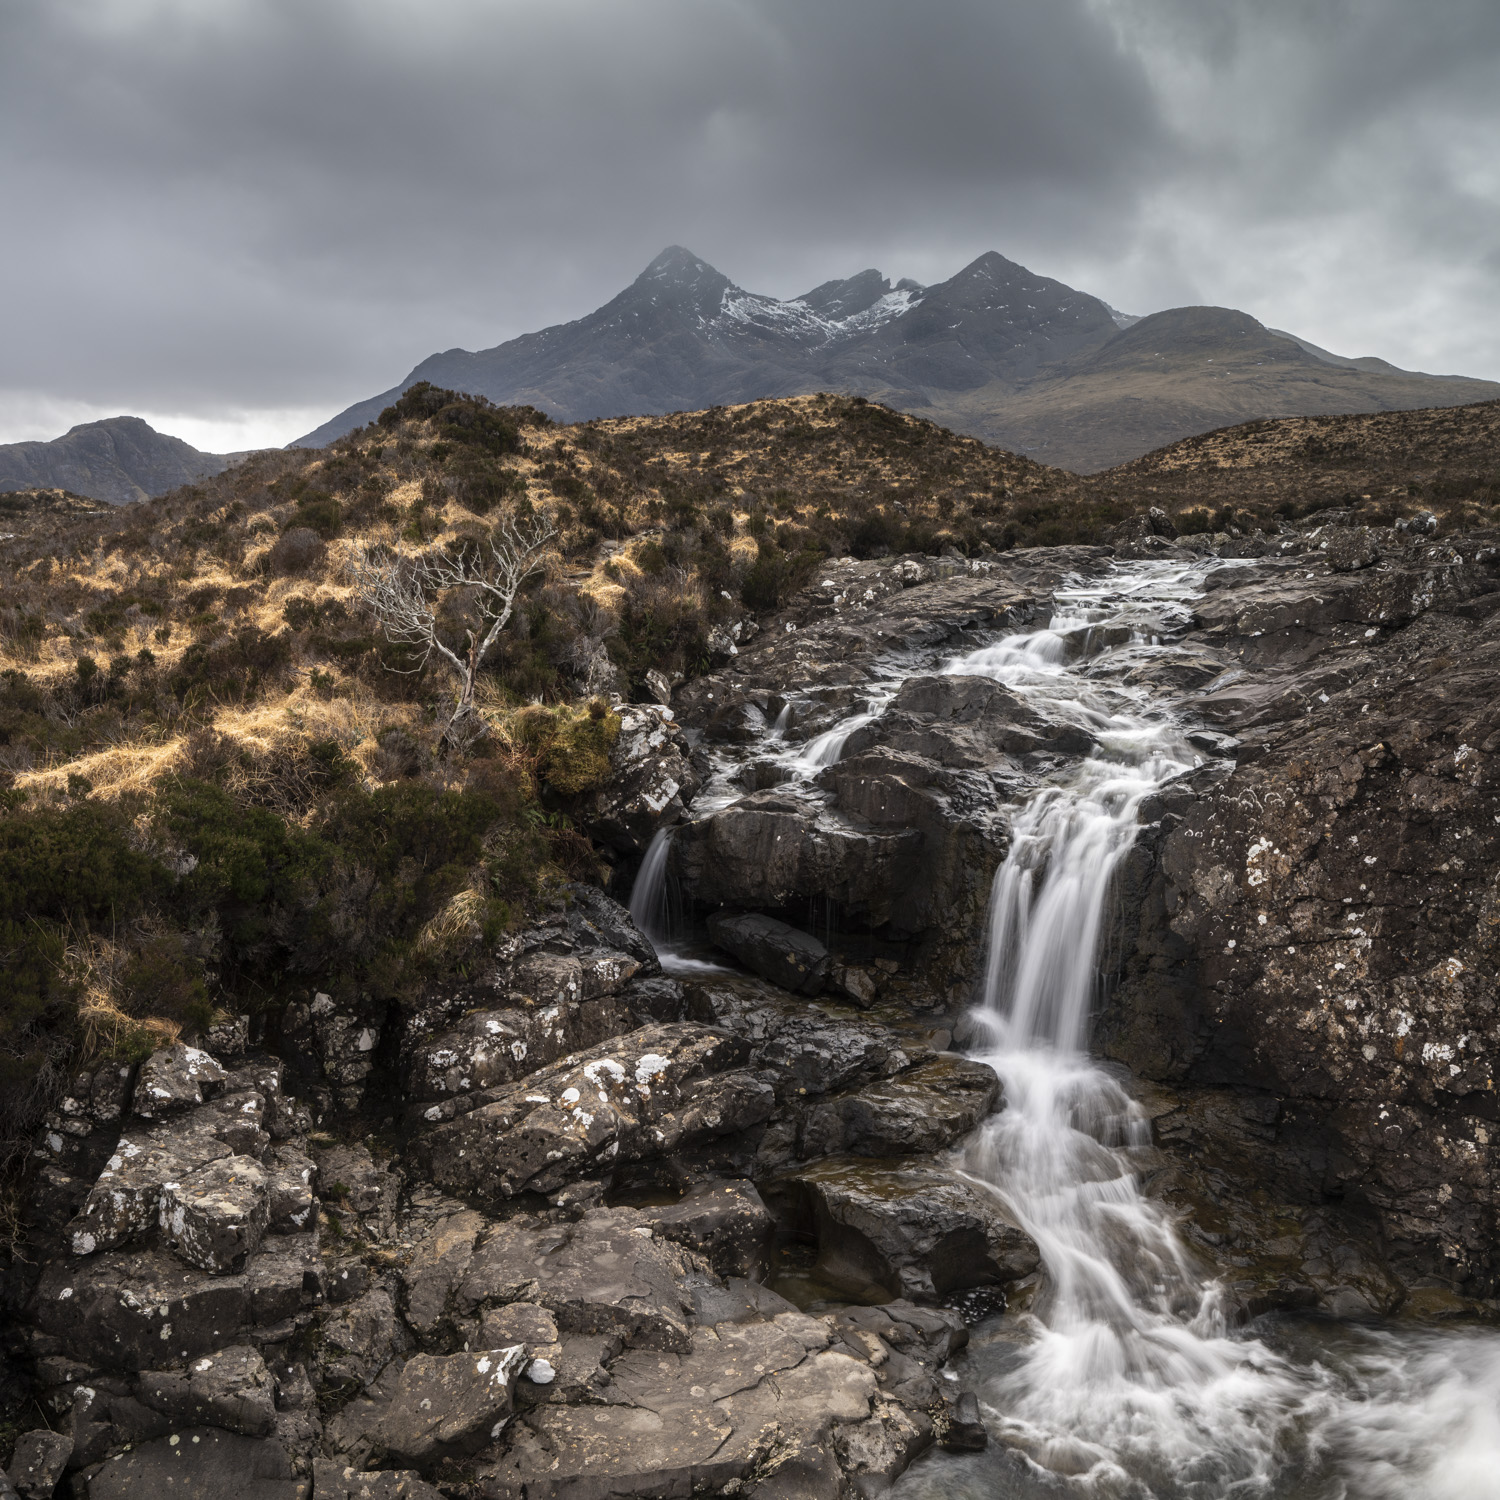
x=1191, y=845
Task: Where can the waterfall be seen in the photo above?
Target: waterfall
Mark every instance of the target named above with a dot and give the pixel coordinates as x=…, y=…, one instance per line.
x=656, y=910
x=1129, y=1382
x=650, y=898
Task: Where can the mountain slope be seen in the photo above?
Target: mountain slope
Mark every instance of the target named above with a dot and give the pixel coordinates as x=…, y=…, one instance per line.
x=996, y=351
x=120, y=459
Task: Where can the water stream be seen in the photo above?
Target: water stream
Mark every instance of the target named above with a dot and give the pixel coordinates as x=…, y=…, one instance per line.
x=1124, y=1378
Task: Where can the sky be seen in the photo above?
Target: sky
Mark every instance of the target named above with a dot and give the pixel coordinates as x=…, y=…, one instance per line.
x=236, y=217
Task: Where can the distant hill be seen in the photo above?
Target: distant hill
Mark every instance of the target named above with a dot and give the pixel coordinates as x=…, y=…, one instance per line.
x=996, y=351
x=120, y=459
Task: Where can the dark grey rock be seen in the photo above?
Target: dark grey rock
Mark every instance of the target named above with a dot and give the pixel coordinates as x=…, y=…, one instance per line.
x=925, y=1109
x=231, y=1389
x=38, y=1463
x=214, y=1217
x=333, y=1480
x=174, y=1079
x=446, y=1407
x=964, y=1431
x=907, y=1227
x=653, y=781
x=646, y=1094
x=726, y=1222
x=201, y=1463
x=795, y=960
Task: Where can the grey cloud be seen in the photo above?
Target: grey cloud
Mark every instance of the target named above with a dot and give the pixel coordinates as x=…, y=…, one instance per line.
x=286, y=203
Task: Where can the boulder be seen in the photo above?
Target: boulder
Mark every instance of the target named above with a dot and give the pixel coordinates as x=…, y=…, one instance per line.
x=446, y=1407
x=652, y=779
x=434, y=1270
x=923, y=1110
x=646, y=1094
x=231, y=1389
x=214, y=1217
x=964, y=1431
x=38, y=1463
x=174, y=1079
x=491, y=1047
x=290, y=1200
x=905, y=1226
x=125, y=1200
x=360, y=1337
x=776, y=951
x=201, y=1463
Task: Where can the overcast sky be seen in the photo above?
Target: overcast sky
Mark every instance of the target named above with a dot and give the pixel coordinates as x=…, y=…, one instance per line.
x=235, y=217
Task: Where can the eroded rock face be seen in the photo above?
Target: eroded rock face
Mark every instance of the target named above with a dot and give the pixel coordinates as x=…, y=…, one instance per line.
x=1318, y=922
x=794, y=960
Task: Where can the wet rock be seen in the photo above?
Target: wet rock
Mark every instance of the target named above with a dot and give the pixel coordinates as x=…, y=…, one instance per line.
x=337, y=1481
x=855, y=984
x=231, y=1389
x=964, y=1431
x=604, y=1274
x=647, y=1094
x=780, y=953
x=214, y=1217
x=725, y=1222
x=653, y=779
x=967, y=722
x=924, y=1110
x=446, y=1407
x=201, y=1463
x=738, y=1399
x=174, y=1079
x=907, y=1226
x=38, y=1463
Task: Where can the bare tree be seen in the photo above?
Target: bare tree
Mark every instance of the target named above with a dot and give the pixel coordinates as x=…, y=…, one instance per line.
x=470, y=588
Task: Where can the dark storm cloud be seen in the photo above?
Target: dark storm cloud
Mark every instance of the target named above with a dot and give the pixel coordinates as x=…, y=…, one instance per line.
x=260, y=206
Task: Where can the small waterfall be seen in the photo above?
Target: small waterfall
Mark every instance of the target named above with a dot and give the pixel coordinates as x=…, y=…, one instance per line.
x=656, y=908
x=650, y=896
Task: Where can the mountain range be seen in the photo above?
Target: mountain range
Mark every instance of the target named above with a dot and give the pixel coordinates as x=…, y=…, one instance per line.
x=119, y=459
x=996, y=351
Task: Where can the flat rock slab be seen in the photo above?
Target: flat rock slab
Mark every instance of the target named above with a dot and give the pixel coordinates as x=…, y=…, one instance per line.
x=230, y=1389
x=201, y=1463
x=906, y=1226
x=739, y=1398
x=143, y=1310
x=776, y=951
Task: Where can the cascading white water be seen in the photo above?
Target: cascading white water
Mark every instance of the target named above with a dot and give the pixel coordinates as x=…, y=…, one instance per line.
x=1130, y=1384
x=652, y=910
